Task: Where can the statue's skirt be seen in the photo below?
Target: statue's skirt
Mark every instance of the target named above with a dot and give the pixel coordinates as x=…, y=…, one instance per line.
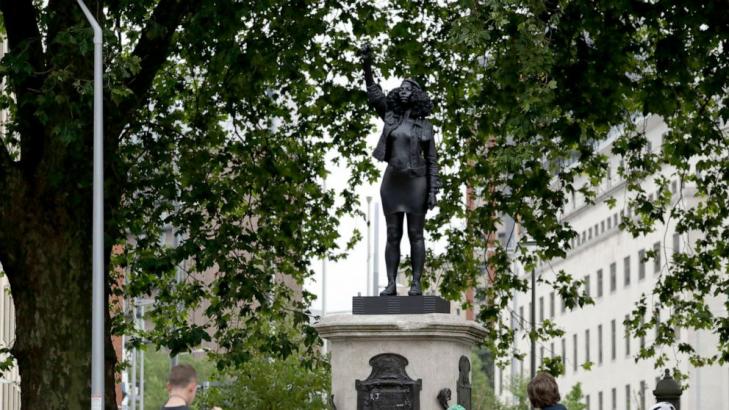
x=404, y=190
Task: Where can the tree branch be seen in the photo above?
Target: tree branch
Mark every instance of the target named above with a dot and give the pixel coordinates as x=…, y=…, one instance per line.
x=154, y=46
x=24, y=38
x=21, y=25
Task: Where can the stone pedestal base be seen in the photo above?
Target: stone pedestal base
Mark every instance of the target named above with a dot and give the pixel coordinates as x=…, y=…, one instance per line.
x=432, y=345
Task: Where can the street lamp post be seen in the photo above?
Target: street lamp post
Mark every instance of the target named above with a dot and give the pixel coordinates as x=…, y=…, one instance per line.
x=532, y=336
x=97, y=308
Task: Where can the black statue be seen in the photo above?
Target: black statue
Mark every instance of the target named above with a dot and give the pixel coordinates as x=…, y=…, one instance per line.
x=410, y=183
x=444, y=396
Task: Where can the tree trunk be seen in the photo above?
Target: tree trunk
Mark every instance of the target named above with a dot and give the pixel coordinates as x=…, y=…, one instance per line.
x=49, y=271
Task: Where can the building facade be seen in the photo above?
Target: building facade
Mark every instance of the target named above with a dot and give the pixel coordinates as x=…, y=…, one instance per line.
x=9, y=380
x=595, y=349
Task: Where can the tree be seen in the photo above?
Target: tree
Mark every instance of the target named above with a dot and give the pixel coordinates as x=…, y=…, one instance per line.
x=270, y=383
x=218, y=116
x=525, y=90
x=574, y=400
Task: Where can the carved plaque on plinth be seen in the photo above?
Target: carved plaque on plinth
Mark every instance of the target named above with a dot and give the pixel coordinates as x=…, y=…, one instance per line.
x=464, y=383
x=388, y=387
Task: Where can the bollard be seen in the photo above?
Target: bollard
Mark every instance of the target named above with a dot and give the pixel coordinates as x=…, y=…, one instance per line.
x=668, y=390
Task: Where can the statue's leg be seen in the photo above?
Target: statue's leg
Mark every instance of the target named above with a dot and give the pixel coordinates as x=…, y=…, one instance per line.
x=416, y=224
x=392, y=251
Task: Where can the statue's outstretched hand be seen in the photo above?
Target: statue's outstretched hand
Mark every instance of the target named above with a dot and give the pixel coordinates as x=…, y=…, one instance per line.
x=365, y=52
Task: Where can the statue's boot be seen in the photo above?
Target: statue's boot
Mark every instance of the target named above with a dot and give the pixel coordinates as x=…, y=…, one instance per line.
x=391, y=289
x=415, y=287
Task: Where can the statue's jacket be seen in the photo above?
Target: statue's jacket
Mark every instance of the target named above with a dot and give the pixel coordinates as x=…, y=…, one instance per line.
x=419, y=165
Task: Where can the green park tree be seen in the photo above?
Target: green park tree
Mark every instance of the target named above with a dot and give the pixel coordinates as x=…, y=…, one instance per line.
x=218, y=117
x=525, y=92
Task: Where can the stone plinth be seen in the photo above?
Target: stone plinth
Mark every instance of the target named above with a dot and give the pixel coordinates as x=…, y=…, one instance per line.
x=432, y=344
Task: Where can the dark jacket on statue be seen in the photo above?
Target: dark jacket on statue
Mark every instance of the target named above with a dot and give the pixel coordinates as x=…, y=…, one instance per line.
x=425, y=164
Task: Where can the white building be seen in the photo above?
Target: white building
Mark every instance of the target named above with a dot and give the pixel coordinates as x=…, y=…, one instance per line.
x=9, y=380
x=610, y=262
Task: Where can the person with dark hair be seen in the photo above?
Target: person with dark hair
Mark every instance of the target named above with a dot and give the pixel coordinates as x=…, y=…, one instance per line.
x=543, y=392
x=410, y=183
x=181, y=387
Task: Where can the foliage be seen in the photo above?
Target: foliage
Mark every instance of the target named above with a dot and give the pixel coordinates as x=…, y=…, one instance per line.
x=482, y=390
x=157, y=369
x=526, y=91
x=270, y=383
x=218, y=118
x=575, y=399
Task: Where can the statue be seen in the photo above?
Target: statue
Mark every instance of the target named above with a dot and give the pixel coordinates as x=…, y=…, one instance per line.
x=410, y=183
x=444, y=396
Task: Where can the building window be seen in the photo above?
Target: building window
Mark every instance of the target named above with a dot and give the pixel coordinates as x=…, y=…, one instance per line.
x=614, y=399
x=612, y=340
x=615, y=219
x=563, y=305
x=551, y=305
x=641, y=395
x=589, y=233
x=574, y=352
x=599, y=344
x=599, y=401
x=541, y=354
x=501, y=380
x=642, y=338
x=602, y=226
x=587, y=346
x=587, y=402
x=584, y=236
x=676, y=243
x=657, y=258
x=551, y=350
x=532, y=314
x=626, y=271
x=564, y=353
x=541, y=309
x=599, y=283
x=587, y=285
x=641, y=264
x=613, y=277
x=610, y=223
x=627, y=337
x=627, y=397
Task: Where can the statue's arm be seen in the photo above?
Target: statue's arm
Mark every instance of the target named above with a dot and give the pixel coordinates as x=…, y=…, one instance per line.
x=431, y=163
x=376, y=97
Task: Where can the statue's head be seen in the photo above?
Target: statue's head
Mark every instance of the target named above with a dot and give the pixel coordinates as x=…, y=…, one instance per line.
x=444, y=396
x=410, y=95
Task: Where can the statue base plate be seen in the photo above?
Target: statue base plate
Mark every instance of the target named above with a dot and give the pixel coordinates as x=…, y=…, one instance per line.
x=399, y=305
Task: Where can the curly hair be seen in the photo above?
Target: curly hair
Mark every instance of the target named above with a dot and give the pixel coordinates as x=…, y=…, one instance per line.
x=421, y=105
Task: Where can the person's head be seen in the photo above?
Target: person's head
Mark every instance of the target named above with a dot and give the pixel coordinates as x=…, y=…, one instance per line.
x=183, y=382
x=410, y=96
x=543, y=390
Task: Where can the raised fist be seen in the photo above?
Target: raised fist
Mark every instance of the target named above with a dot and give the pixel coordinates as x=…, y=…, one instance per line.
x=365, y=52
